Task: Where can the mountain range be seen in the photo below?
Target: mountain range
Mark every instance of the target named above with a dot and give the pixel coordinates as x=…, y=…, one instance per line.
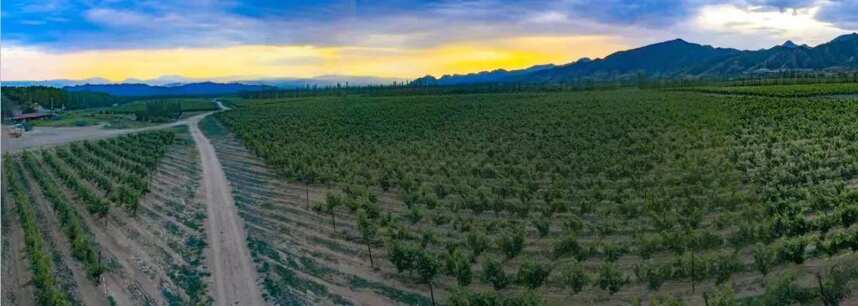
x=193, y=89
x=677, y=59
x=178, y=80
x=674, y=59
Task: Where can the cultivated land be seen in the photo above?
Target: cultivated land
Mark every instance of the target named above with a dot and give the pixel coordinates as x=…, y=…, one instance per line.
x=234, y=277
x=564, y=198
x=42, y=137
x=126, y=221
x=605, y=197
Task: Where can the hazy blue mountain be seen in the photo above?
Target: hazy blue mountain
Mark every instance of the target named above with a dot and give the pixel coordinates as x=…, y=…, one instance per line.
x=177, y=80
x=839, y=54
x=665, y=60
x=56, y=83
x=498, y=75
x=676, y=59
x=323, y=81
x=193, y=89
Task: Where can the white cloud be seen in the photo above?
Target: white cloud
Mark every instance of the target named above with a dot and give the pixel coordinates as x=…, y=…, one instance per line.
x=767, y=26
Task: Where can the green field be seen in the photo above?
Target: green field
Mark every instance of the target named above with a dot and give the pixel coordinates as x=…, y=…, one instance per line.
x=124, y=116
x=600, y=197
x=186, y=104
x=92, y=117
x=793, y=90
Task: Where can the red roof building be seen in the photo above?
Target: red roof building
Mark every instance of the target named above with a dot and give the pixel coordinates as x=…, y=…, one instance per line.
x=32, y=116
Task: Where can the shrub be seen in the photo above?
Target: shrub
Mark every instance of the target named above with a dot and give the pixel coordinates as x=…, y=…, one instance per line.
x=532, y=274
x=573, y=276
x=511, y=241
x=494, y=274
x=610, y=278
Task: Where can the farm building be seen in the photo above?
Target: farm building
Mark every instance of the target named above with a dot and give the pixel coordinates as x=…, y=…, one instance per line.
x=32, y=116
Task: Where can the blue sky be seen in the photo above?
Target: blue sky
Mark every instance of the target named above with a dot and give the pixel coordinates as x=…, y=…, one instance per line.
x=305, y=38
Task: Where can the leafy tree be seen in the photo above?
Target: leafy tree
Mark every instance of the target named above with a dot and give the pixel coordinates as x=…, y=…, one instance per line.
x=610, y=278
x=532, y=274
x=724, y=266
x=612, y=251
x=527, y=298
x=332, y=201
x=573, y=276
x=511, y=241
x=368, y=231
x=402, y=255
x=764, y=259
x=792, y=249
x=573, y=224
x=414, y=215
x=427, y=268
x=568, y=245
x=722, y=296
x=833, y=287
x=653, y=275
x=477, y=241
x=494, y=274
x=783, y=291
x=543, y=226
x=462, y=297
x=459, y=266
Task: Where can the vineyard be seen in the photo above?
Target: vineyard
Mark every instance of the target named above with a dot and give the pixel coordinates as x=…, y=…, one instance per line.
x=600, y=197
x=792, y=90
x=183, y=104
x=114, y=221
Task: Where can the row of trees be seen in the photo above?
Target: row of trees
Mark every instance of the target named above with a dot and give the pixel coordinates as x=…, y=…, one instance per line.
x=26, y=99
x=649, y=175
x=48, y=291
x=121, y=172
x=84, y=248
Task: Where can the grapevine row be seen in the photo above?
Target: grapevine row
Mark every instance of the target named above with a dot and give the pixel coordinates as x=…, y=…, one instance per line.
x=41, y=264
x=83, y=247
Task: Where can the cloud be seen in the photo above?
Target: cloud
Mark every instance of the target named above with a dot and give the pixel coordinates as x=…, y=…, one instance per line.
x=401, y=24
x=256, y=61
x=425, y=36
x=842, y=13
x=784, y=4
x=651, y=13
x=764, y=28
x=120, y=18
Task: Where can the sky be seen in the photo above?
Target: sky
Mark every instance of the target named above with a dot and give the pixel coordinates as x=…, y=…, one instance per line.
x=247, y=39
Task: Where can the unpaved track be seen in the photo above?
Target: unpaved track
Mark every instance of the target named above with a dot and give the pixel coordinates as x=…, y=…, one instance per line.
x=233, y=271
x=42, y=137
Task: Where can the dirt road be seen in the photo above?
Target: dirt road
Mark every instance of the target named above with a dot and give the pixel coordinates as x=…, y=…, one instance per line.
x=233, y=271
x=51, y=136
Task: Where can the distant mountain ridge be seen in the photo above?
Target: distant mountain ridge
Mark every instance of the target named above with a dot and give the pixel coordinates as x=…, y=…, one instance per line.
x=193, y=89
x=677, y=59
x=178, y=80
x=324, y=81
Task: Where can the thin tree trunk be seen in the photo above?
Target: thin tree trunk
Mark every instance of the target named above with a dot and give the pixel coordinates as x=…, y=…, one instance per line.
x=821, y=290
x=307, y=185
x=432, y=293
x=692, y=272
x=334, y=222
x=369, y=249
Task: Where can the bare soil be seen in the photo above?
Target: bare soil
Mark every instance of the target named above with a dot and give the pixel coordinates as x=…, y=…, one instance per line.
x=304, y=241
x=41, y=137
x=17, y=287
x=232, y=269
x=87, y=290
